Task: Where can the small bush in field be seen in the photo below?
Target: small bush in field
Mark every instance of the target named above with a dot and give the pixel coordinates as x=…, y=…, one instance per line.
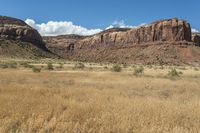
x=79, y=65
x=138, y=71
x=36, y=70
x=125, y=65
x=13, y=65
x=61, y=65
x=105, y=67
x=50, y=66
x=4, y=66
x=116, y=68
x=174, y=73
x=26, y=65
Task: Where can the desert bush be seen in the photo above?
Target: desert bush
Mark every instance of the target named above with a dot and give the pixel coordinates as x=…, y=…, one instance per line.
x=105, y=67
x=79, y=65
x=174, y=73
x=149, y=66
x=36, y=70
x=61, y=65
x=26, y=65
x=138, y=71
x=91, y=68
x=125, y=65
x=4, y=66
x=13, y=65
x=50, y=66
x=116, y=68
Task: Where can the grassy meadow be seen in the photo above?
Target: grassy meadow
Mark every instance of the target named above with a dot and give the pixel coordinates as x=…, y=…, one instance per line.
x=69, y=97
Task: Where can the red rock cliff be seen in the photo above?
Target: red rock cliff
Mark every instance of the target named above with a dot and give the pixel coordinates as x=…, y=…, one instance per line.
x=16, y=29
x=170, y=30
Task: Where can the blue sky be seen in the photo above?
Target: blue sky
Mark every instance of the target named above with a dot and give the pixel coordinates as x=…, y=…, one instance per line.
x=100, y=14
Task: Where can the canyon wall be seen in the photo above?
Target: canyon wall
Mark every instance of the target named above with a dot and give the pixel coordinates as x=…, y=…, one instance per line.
x=170, y=30
x=12, y=28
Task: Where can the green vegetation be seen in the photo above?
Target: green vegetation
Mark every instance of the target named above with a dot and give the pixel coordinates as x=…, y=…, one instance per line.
x=138, y=71
x=105, y=67
x=174, y=73
x=79, y=65
x=61, y=65
x=50, y=66
x=26, y=65
x=12, y=65
x=36, y=70
x=116, y=68
x=4, y=66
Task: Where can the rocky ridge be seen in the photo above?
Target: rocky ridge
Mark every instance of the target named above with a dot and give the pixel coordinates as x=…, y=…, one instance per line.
x=196, y=38
x=17, y=39
x=162, y=42
x=15, y=29
x=170, y=30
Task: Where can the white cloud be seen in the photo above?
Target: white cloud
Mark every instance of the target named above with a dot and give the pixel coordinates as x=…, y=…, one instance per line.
x=194, y=30
x=121, y=24
x=54, y=28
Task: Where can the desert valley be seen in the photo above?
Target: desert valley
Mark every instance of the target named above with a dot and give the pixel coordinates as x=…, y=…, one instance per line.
x=120, y=80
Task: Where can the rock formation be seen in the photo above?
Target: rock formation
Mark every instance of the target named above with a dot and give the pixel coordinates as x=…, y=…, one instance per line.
x=15, y=29
x=17, y=39
x=196, y=38
x=162, y=42
x=161, y=31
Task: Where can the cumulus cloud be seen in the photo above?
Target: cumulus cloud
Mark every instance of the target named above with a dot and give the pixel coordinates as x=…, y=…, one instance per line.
x=121, y=24
x=194, y=30
x=54, y=28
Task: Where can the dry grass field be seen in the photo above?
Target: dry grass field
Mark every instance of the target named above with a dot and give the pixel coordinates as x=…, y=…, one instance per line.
x=97, y=100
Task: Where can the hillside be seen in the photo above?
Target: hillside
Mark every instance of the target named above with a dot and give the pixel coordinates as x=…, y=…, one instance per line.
x=23, y=50
x=19, y=40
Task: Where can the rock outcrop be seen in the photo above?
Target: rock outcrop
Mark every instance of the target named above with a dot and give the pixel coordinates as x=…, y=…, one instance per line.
x=19, y=40
x=162, y=42
x=196, y=38
x=170, y=30
x=15, y=29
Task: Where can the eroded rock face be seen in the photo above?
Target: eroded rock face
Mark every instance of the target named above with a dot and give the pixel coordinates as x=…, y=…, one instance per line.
x=162, y=42
x=196, y=38
x=16, y=29
x=161, y=31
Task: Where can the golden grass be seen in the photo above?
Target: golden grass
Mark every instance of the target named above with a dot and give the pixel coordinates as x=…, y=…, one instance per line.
x=83, y=101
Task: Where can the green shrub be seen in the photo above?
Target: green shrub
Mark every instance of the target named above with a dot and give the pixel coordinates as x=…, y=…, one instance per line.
x=50, y=66
x=116, y=68
x=138, y=71
x=125, y=65
x=79, y=65
x=4, y=66
x=36, y=70
x=105, y=67
x=26, y=65
x=13, y=65
x=174, y=73
x=61, y=65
